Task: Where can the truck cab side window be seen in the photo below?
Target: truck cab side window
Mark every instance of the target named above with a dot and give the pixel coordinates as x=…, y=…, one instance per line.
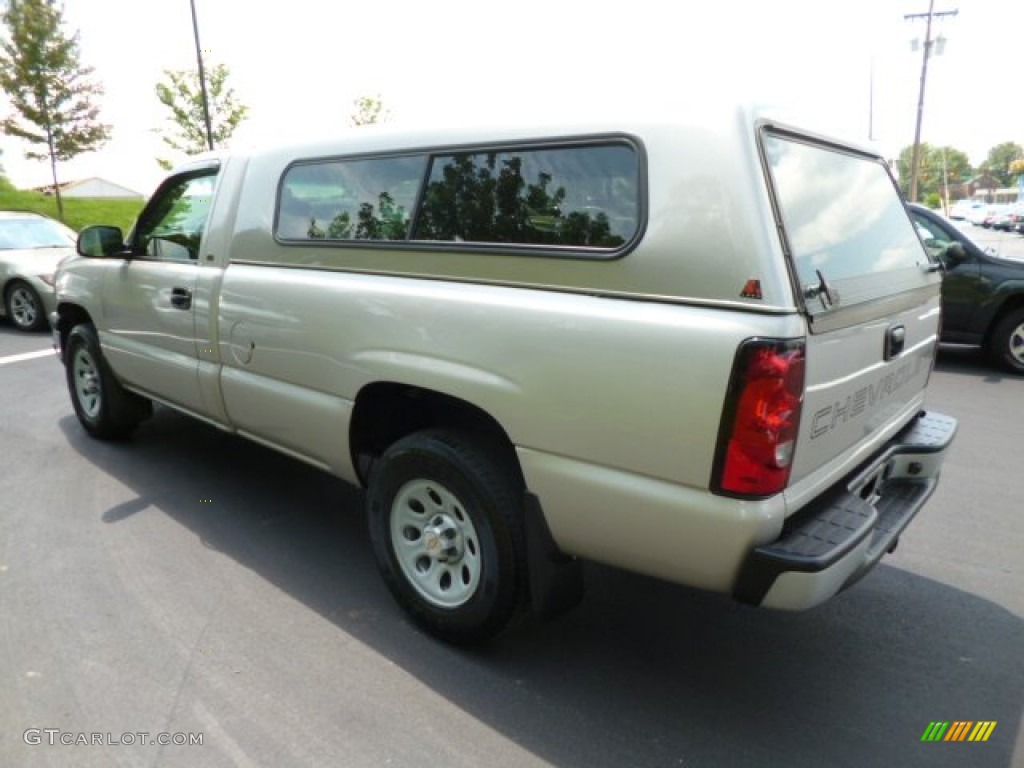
x=172, y=226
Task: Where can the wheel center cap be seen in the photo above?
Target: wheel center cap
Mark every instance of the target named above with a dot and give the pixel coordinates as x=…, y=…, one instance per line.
x=442, y=540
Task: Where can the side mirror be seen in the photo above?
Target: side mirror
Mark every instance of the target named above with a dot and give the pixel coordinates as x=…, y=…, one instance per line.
x=100, y=241
x=956, y=253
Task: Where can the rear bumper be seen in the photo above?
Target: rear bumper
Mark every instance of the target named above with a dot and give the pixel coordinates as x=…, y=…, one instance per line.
x=832, y=542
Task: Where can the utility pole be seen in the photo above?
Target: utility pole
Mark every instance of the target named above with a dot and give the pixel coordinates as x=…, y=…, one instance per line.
x=202, y=78
x=945, y=184
x=915, y=157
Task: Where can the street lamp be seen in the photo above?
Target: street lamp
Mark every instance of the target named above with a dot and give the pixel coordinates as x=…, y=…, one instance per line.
x=940, y=44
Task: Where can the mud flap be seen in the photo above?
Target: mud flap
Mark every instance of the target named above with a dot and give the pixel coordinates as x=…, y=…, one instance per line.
x=556, y=579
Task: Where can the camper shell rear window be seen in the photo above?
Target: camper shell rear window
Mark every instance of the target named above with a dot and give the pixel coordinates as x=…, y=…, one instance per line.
x=844, y=224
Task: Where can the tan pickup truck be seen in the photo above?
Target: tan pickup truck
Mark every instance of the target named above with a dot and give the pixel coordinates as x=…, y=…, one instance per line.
x=692, y=348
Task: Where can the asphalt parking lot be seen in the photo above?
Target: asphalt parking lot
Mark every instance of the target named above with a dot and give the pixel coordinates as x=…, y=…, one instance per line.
x=190, y=583
x=1010, y=245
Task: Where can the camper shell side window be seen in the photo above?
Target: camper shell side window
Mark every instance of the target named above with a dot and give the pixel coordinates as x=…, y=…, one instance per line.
x=581, y=196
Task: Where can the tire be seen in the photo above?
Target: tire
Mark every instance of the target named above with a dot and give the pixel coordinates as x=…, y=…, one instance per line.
x=1006, y=344
x=445, y=520
x=24, y=308
x=105, y=409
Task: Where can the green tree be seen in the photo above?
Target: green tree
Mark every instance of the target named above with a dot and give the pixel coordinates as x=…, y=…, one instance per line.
x=933, y=161
x=51, y=94
x=182, y=94
x=999, y=159
x=368, y=111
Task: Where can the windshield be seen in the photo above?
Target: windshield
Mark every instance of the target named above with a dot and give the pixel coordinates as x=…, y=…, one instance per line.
x=34, y=233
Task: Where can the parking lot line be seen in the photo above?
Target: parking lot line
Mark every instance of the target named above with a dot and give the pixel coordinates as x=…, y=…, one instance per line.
x=25, y=356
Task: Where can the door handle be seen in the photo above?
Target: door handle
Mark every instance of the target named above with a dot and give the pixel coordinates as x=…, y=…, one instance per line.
x=181, y=298
x=895, y=338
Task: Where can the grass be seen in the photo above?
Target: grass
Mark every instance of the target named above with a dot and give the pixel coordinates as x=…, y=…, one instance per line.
x=78, y=211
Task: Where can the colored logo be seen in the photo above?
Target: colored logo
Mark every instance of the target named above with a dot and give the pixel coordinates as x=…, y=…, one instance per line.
x=959, y=730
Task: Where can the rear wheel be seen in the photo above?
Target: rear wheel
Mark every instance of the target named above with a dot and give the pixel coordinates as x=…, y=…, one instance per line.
x=24, y=307
x=446, y=525
x=103, y=406
x=1007, y=342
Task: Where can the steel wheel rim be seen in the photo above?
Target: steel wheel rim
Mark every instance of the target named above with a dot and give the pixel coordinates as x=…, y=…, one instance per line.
x=87, y=383
x=1015, y=344
x=435, y=543
x=24, y=311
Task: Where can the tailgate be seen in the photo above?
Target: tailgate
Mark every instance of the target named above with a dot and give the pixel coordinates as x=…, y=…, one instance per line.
x=868, y=289
x=856, y=398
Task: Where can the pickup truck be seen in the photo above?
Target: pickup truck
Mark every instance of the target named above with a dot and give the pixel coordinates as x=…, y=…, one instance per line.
x=692, y=348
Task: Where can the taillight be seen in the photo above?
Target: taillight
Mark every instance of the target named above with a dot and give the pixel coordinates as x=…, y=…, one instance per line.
x=761, y=418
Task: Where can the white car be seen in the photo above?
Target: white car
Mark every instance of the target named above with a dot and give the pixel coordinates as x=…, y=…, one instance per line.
x=962, y=209
x=31, y=246
x=1007, y=218
x=978, y=216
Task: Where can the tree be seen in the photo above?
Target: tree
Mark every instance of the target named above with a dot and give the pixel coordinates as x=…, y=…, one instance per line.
x=182, y=94
x=933, y=161
x=50, y=92
x=368, y=110
x=999, y=159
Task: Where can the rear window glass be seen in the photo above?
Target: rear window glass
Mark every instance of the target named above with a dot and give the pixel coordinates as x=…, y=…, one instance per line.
x=578, y=196
x=845, y=224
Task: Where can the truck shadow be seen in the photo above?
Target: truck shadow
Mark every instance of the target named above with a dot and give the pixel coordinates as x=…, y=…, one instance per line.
x=643, y=673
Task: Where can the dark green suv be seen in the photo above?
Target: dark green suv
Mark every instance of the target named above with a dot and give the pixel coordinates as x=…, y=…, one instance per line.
x=982, y=293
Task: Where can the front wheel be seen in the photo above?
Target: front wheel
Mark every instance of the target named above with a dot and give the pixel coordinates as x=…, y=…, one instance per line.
x=24, y=307
x=446, y=526
x=103, y=406
x=1007, y=342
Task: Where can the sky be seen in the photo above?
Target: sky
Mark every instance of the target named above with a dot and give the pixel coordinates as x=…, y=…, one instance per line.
x=299, y=66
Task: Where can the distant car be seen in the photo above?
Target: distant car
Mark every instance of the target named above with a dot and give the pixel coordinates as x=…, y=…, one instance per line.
x=982, y=293
x=978, y=215
x=962, y=208
x=1011, y=220
x=993, y=213
x=999, y=216
x=31, y=246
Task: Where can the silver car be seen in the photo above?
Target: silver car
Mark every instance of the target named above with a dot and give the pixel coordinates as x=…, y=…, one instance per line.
x=31, y=246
